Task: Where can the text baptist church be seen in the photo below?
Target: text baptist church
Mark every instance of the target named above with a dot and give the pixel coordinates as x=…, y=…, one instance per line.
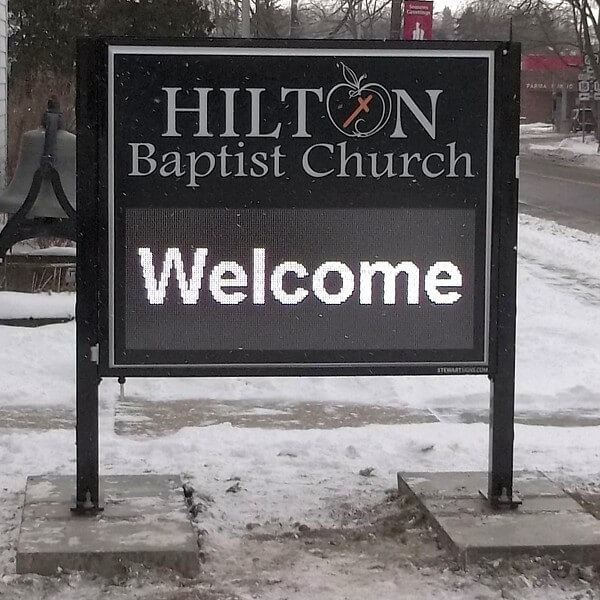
x=319, y=160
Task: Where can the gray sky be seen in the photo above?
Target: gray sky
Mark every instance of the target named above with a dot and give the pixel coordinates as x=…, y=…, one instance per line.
x=438, y=5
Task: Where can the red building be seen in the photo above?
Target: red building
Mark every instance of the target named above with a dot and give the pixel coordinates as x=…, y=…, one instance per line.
x=549, y=87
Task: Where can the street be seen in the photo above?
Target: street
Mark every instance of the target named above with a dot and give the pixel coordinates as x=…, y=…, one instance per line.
x=567, y=194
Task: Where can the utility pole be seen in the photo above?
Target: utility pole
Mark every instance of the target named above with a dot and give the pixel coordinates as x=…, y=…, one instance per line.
x=245, y=18
x=396, y=20
x=294, y=21
x=358, y=16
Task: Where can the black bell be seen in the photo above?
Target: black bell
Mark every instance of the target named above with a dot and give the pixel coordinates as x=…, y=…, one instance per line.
x=32, y=150
x=41, y=196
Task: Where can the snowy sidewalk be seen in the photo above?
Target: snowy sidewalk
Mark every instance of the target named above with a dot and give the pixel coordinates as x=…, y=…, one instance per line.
x=146, y=418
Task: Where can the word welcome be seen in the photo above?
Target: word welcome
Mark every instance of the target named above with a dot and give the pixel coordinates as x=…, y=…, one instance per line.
x=290, y=282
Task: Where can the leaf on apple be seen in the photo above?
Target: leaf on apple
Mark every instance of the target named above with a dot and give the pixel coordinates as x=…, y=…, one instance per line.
x=350, y=77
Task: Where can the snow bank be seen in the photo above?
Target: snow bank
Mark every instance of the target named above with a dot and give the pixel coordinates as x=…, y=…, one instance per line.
x=571, y=149
x=37, y=365
x=17, y=305
x=558, y=325
x=532, y=129
x=30, y=249
x=578, y=146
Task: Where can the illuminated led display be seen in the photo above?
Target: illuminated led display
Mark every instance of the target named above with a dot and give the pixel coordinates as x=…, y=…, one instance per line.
x=189, y=286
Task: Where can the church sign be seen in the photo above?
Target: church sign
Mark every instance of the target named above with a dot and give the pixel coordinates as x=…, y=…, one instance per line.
x=295, y=207
x=306, y=208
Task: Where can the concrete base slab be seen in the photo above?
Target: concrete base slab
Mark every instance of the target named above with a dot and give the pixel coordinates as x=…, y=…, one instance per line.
x=549, y=522
x=144, y=522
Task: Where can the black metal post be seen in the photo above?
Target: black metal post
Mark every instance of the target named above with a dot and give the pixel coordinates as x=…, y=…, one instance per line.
x=502, y=400
x=88, y=494
x=396, y=20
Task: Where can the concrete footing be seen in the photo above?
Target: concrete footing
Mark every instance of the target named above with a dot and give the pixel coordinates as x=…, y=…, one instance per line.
x=144, y=522
x=548, y=523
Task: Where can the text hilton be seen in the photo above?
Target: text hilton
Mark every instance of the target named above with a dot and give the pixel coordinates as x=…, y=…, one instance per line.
x=318, y=160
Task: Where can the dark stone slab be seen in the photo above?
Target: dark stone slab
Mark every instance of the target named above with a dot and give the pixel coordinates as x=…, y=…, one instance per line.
x=145, y=522
x=549, y=522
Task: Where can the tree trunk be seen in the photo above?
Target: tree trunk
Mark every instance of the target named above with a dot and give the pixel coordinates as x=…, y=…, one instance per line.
x=294, y=22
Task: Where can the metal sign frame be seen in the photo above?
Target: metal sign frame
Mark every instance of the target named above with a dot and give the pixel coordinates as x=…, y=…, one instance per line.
x=93, y=189
x=271, y=363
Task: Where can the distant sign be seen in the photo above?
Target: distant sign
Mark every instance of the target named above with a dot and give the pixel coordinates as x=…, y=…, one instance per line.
x=589, y=89
x=418, y=20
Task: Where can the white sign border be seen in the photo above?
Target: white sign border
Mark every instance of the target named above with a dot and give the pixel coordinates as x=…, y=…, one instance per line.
x=115, y=50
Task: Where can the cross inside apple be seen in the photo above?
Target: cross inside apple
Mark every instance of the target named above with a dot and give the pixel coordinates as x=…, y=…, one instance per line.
x=356, y=108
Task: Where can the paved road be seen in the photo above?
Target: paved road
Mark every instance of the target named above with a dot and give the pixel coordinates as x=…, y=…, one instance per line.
x=569, y=195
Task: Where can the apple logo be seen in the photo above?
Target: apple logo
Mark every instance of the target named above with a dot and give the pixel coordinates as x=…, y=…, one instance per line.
x=356, y=108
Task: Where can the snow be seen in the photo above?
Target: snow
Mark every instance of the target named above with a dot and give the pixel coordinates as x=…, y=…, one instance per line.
x=38, y=365
x=17, y=305
x=571, y=149
x=578, y=146
x=571, y=145
x=535, y=129
x=28, y=248
x=311, y=476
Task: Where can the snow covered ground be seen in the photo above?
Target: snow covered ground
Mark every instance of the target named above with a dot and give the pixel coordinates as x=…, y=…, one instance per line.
x=309, y=476
x=571, y=149
x=536, y=129
x=540, y=140
x=16, y=305
x=29, y=247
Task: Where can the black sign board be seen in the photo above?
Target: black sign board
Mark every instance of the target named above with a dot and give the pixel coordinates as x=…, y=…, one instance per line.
x=298, y=209
x=283, y=208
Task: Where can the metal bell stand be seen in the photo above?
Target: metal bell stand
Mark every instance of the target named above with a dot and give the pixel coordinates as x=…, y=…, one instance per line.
x=19, y=227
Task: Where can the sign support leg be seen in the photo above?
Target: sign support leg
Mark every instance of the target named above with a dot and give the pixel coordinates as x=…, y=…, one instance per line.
x=502, y=388
x=502, y=411
x=88, y=493
x=502, y=394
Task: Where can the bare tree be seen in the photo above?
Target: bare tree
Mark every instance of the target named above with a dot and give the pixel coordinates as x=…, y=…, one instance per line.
x=576, y=21
x=586, y=18
x=354, y=19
